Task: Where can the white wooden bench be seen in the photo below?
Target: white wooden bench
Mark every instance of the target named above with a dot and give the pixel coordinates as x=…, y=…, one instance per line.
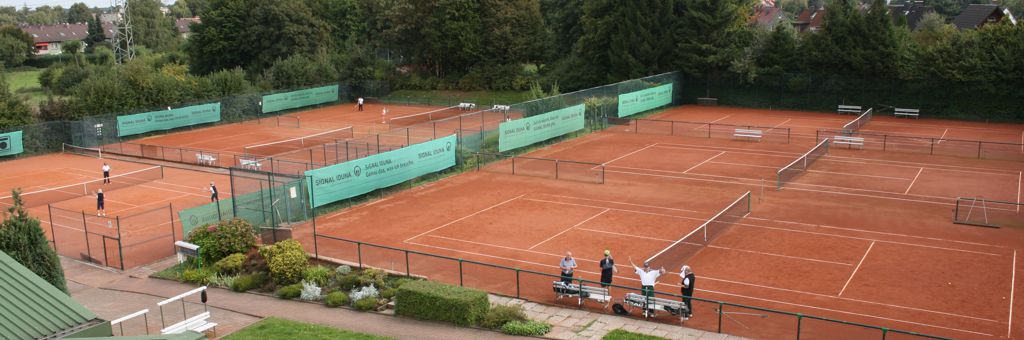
x=651, y=305
x=854, y=109
x=749, y=134
x=847, y=140
x=199, y=323
x=906, y=112
x=599, y=294
x=205, y=159
x=467, y=106
x=251, y=164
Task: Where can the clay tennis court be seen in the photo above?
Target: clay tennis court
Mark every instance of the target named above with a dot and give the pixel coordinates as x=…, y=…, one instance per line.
x=140, y=198
x=863, y=236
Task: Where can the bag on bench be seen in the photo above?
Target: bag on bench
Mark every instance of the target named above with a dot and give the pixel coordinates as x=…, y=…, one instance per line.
x=673, y=310
x=618, y=309
x=565, y=290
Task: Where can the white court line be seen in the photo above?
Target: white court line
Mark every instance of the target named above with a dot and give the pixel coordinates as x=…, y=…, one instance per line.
x=712, y=122
x=914, y=181
x=943, y=136
x=712, y=279
x=624, y=203
x=855, y=160
x=784, y=229
x=705, y=161
x=780, y=124
x=1020, y=180
x=1013, y=281
x=880, y=232
x=626, y=155
x=855, y=269
x=345, y=211
x=465, y=217
x=570, y=228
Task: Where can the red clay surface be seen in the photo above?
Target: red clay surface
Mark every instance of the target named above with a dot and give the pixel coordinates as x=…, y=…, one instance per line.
x=863, y=236
x=146, y=211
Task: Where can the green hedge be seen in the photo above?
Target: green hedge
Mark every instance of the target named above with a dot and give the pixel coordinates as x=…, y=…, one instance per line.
x=437, y=301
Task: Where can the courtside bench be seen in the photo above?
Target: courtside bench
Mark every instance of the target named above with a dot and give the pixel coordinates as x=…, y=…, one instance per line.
x=901, y=112
x=748, y=134
x=199, y=323
x=204, y=159
x=251, y=164
x=847, y=140
x=844, y=109
x=467, y=106
x=651, y=305
x=599, y=294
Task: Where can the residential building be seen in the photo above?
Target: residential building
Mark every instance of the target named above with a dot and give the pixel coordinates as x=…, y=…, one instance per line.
x=48, y=39
x=767, y=16
x=913, y=11
x=810, y=20
x=183, y=25
x=977, y=15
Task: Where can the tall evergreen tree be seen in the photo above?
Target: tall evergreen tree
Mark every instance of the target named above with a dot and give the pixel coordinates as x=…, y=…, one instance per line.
x=709, y=34
x=625, y=39
x=23, y=239
x=150, y=27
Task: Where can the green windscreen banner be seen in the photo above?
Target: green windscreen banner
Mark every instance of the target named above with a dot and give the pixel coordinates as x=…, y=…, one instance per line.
x=204, y=214
x=10, y=143
x=522, y=132
x=357, y=177
x=290, y=100
x=643, y=100
x=168, y=119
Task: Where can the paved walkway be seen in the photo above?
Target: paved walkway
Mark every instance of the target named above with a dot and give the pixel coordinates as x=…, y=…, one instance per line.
x=111, y=294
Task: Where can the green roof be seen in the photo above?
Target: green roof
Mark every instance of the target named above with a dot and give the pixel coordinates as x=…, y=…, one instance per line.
x=32, y=308
x=188, y=335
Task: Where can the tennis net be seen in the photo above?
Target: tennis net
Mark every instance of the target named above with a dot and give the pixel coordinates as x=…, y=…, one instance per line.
x=861, y=120
x=677, y=253
x=428, y=116
x=282, y=146
x=799, y=165
x=71, y=191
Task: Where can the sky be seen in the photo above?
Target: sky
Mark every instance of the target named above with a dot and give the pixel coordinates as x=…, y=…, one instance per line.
x=62, y=3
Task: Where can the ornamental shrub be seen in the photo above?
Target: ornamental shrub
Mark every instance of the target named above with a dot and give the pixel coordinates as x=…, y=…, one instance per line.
x=366, y=304
x=286, y=260
x=232, y=264
x=348, y=282
x=499, y=315
x=342, y=270
x=248, y=282
x=290, y=292
x=317, y=274
x=197, y=276
x=431, y=300
x=336, y=299
x=226, y=237
x=526, y=328
x=372, y=276
x=364, y=292
x=310, y=291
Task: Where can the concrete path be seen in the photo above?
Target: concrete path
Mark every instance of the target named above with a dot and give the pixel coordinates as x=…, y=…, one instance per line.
x=112, y=294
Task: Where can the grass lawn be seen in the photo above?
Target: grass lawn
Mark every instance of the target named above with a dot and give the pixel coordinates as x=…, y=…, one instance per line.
x=25, y=81
x=451, y=98
x=274, y=328
x=619, y=334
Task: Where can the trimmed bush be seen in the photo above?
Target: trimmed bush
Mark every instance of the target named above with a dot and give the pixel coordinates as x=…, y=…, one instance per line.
x=248, y=282
x=389, y=293
x=232, y=264
x=372, y=276
x=287, y=261
x=526, y=328
x=196, y=276
x=290, y=292
x=318, y=275
x=499, y=315
x=348, y=282
x=336, y=299
x=430, y=300
x=227, y=237
x=366, y=304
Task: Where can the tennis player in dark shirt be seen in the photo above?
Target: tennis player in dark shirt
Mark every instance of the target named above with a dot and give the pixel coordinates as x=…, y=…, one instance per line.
x=607, y=268
x=99, y=203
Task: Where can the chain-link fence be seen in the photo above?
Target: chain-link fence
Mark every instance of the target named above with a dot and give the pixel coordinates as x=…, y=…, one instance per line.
x=119, y=242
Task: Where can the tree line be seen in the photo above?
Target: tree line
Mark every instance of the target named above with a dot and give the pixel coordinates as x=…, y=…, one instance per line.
x=242, y=46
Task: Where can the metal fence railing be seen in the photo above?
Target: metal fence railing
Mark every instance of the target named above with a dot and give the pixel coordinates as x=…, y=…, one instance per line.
x=716, y=316
x=117, y=242
x=541, y=167
x=931, y=145
x=701, y=129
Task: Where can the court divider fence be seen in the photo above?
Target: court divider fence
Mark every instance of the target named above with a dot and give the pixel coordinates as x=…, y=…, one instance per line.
x=698, y=129
x=120, y=242
x=930, y=145
x=710, y=315
x=988, y=213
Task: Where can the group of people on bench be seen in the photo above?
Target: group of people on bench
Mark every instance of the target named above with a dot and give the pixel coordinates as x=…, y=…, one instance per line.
x=648, y=277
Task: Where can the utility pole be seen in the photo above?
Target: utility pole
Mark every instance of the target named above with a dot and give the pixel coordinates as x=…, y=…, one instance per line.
x=124, y=48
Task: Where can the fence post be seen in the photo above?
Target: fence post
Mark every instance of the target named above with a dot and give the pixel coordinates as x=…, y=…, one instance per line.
x=979, y=149
x=174, y=238
x=517, y=283
x=556, y=169
x=53, y=233
x=103, y=239
x=359, y=253
x=932, y=145
x=85, y=226
x=513, y=165
x=378, y=143
x=709, y=130
x=460, y=274
x=800, y=323
x=408, y=139
x=720, y=317
x=120, y=249
x=672, y=128
x=407, y=271
x=885, y=331
x=435, y=130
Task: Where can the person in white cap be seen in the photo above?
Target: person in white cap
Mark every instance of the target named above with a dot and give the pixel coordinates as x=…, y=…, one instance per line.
x=687, y=289
x=607, y=268
x=648, y=277
x=213, y=192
